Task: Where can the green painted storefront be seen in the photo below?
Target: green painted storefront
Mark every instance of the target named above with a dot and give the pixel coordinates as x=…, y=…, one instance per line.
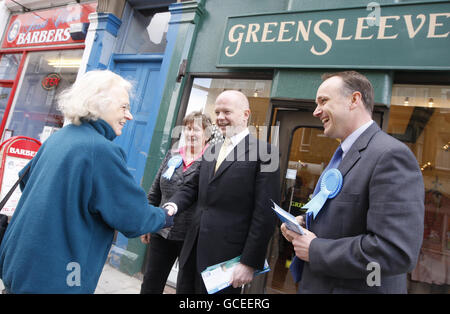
x=292, y=43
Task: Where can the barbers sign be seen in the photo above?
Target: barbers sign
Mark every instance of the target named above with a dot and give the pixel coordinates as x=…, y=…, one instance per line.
x=398, y=36
x=46, y=27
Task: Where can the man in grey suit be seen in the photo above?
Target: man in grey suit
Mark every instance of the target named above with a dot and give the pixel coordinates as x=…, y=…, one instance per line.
x=366, y=238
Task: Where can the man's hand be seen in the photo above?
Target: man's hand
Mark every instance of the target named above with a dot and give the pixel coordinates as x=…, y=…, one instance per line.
x=145, y=238
x=301, y=243
x=301, y=222
x=242, y=275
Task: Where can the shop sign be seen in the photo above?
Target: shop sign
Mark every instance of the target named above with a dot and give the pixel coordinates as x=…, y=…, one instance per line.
x=50, y=81
x=396, y=36
x=47, y=27
x=15, y=153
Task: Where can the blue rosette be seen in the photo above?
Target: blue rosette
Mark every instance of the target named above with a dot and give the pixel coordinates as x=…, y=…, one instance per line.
x=330, y=186
x=173, y=164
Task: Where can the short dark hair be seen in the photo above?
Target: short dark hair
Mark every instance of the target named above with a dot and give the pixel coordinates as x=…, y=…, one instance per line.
x=197, y=116
x=356, y=82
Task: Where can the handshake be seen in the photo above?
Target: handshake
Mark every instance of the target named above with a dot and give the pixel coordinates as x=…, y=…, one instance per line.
x=170, y=209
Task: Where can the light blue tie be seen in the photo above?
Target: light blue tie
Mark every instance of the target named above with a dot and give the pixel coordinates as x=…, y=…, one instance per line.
x=334, y=163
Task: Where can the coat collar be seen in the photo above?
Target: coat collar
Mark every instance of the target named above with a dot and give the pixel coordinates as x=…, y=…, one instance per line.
x=102, y=127
x=353, y=155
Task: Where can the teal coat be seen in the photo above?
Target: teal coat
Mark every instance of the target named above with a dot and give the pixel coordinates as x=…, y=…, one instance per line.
x=77, y=192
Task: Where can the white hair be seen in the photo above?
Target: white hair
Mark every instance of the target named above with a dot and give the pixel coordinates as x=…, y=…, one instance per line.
x=89, y=97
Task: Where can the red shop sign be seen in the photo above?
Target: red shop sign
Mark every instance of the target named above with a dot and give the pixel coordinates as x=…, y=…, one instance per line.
x=47, y=27
x=23, y=148
x=50, y=81
x=15, y=153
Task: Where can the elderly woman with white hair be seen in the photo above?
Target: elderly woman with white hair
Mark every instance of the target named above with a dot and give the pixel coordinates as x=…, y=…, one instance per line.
x=76, y=193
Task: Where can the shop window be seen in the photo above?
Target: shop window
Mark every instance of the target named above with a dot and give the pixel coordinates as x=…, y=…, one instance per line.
x=146, y=33
x=45, y=74
x=4, y=96
x=9, y=64
x=205, y=91
x=420, y=117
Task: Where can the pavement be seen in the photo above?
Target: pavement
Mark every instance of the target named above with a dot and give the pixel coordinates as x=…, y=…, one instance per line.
x=113, y=281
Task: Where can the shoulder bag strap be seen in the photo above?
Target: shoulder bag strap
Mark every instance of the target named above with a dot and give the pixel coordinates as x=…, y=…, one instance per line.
x=8, y=195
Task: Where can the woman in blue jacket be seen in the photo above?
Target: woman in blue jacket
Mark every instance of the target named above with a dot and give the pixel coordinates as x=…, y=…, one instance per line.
x=77, y=192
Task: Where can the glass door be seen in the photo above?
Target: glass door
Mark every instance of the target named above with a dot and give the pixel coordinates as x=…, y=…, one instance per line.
x=305, y=152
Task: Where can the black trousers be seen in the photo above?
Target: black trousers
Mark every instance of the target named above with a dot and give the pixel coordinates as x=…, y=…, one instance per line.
x=190, y=281
x=162, y=253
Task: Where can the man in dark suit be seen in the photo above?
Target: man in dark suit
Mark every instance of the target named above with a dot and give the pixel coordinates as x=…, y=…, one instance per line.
x=366, y=238
x=236, y=181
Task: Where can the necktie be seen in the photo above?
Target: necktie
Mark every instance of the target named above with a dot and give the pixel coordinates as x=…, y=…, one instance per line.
x=297, y=264
x=334, y=163
x=222, y=152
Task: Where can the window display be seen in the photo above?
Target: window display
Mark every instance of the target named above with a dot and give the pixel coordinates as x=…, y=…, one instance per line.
x=420, y=117
x=45, y=74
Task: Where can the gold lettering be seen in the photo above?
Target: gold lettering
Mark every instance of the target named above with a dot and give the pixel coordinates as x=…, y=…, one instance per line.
x=410, y=27
x=434, y=24
x=252, y=30
x=266, y=31
x=340, y=30
x=383, y=26
x=323, y=36
x=283, y=30
x=360, y=26
x=233, y=39
x=301, y=29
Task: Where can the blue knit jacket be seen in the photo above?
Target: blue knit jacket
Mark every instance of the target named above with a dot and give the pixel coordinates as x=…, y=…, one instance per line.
x=77, y=192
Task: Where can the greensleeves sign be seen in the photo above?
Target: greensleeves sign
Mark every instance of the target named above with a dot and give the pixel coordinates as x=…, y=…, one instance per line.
x=400, y=36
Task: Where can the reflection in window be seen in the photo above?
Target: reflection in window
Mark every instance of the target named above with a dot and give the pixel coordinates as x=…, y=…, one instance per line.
x=35, y=112
x=420, y=117
x=429, y=96
x=205, y=91
x=147, y=34
x=4, y=96
x=306, y=163
x=9, y=64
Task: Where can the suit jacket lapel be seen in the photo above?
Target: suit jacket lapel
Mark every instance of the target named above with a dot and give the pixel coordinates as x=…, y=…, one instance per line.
x=238, y=153
x=212, y=164
x=353, y=155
